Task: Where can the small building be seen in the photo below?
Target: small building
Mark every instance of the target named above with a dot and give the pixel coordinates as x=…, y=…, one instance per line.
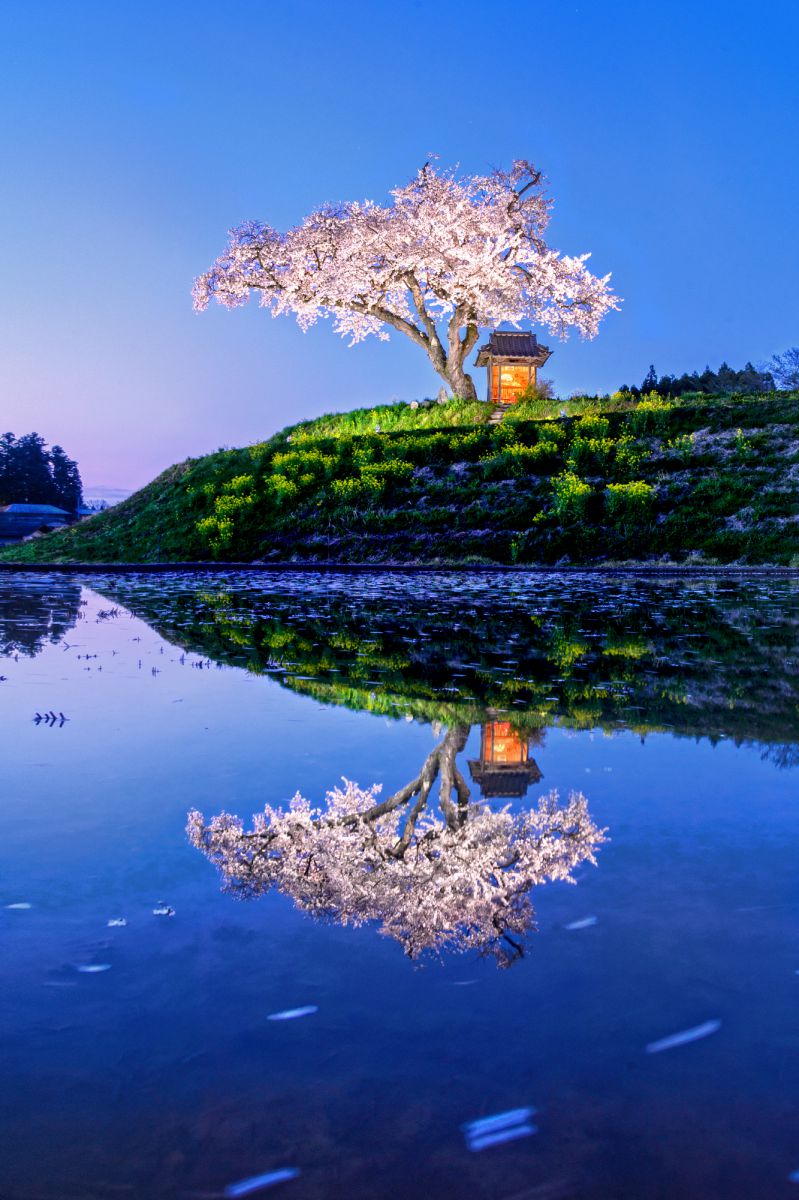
x=505, y=767
x=18, y=521
x=513, y=360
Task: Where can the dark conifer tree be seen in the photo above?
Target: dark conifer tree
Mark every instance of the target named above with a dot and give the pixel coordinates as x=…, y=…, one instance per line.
x=33, y=466
x=9, y=483
x=67, y=486
x=30, y=474
x=650, y=380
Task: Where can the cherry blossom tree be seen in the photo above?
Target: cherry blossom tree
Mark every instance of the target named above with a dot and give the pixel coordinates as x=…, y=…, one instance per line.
x=447, y=256
x=785, y=368
x=458, y=878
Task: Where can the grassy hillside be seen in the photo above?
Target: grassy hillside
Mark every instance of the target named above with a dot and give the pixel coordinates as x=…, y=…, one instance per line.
x=708, y=478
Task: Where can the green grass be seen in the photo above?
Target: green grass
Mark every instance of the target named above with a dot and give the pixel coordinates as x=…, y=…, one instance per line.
x=715, y=479
x=393, y=418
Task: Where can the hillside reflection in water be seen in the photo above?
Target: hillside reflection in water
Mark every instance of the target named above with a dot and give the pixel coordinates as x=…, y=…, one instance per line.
x=706, y=658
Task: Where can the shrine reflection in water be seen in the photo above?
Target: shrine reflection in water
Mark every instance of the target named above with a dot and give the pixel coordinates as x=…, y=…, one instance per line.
x=505, y=766
x=140, y=1057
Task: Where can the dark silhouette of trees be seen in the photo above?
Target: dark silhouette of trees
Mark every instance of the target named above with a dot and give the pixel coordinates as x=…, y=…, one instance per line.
x=66, y=479
x=32, y=464
x=36, y=615
x=32, y=474
x=650, y=380
x=725, y=380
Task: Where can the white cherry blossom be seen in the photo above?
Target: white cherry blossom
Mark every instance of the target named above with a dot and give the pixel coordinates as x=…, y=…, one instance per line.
x=447, y=256
x=455, y=878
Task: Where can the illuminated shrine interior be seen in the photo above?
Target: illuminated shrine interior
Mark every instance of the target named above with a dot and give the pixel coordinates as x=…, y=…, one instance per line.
x=505, y=766
x=509, y=380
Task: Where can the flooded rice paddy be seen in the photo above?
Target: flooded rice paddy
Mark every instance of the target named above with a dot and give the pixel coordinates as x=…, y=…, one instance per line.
x=519, y=921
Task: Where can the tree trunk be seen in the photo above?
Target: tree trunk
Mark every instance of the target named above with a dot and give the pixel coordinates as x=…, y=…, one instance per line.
x=462, y=384
x=447, y=363
x=459, y=347
x=450, y=367
x=452, y=372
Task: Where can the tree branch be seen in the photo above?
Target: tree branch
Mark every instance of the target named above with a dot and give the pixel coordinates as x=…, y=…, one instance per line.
x=451, y=746
x=435, y=349
x=390, y=318
x=403, y=795
x=533, y=181
x=413, y=816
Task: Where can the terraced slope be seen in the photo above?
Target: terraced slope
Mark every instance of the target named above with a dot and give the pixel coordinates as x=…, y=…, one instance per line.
x=711, y=479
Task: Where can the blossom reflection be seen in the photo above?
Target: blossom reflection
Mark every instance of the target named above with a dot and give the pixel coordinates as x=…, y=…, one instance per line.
x=451, y=876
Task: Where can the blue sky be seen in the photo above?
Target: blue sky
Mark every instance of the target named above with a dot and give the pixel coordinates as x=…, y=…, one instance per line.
x=134, y=135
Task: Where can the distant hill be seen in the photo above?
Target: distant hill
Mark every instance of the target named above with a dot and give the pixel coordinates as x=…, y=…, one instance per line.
x=618, y=479
x=100, y=496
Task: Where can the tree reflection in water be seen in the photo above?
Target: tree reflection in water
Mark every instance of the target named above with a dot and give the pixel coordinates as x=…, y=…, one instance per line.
x=456, y=876
x=35, y=616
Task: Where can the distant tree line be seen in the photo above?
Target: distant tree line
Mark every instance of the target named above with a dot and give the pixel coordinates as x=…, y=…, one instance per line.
x=781, y=371
x=749, y=379
x=32, y=474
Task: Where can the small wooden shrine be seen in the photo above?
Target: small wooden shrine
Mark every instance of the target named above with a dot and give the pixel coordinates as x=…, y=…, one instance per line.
x=505, y=767
x=513, y=360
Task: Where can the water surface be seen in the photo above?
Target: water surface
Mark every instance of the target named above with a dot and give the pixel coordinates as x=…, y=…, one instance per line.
x=673, y=706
